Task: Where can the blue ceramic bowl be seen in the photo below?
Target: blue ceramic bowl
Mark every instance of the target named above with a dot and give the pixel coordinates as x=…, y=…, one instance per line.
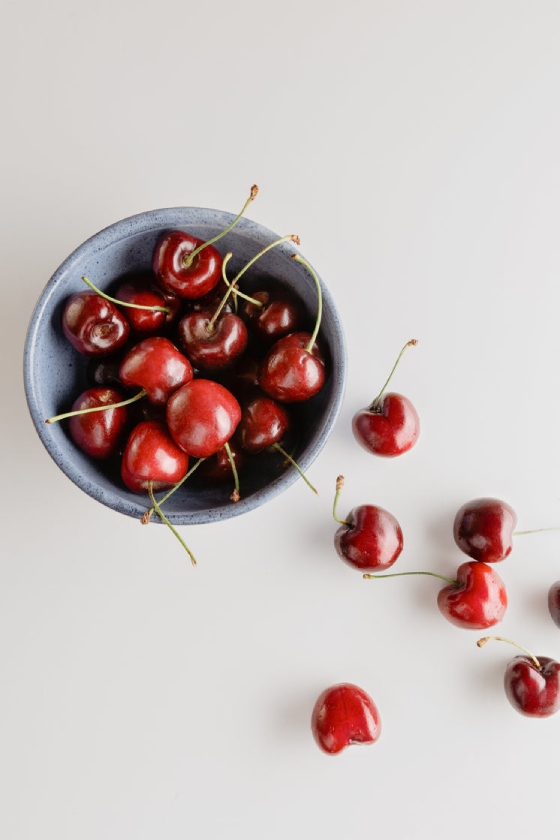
x=55, y=374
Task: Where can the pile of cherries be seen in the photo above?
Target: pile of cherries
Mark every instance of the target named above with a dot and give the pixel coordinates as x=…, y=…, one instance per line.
x=214, y=371
x=370, y=540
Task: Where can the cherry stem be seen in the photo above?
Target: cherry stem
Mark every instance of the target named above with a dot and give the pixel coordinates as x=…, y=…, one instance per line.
x=482, y=642
x=294, y=464
x=189, y=260
x=375, y=404
x=315, y=332
x=168, y=523
x=146, y=518
x=290, y=237
x=235, y=495
x=210, y=325
x=339, y=486
x=403, y=574
x=58, y=417
x=535, y=531
x=124, y=302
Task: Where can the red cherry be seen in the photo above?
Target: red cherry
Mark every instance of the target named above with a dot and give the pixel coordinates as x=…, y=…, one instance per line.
x=291, y=371
x=212, y=345
x=98, y=433
x=151, y=455
x=202, y=416
x=176, y=274
x=343, y=715
x=217, y=468
x=476, y=600
x=156, y=365
x=142, y=321
x=279, y=315
x=94, y=326
x=484, y=528
x=264, y=422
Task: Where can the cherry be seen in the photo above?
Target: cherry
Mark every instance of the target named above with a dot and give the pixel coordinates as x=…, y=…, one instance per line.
x=212, y=344
x=94, y=326
x=156, y=365
x=532, y=684
x=369, y=538
x=278, y=314
x=390, y=425
x=151, y=456
x=98, y=433
x=217, y=468
x=343, y=715
x=264, y=422
x=483, y=529
x=187, y=266
x=554, y=602
x=475, y=600
x=202, y=416
x=292, y=370
x=143, y=321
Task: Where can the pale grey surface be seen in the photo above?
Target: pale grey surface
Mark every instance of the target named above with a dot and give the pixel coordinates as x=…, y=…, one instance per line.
x=414, y=148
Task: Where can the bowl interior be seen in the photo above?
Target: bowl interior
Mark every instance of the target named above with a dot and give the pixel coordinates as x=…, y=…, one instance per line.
x=55, y=374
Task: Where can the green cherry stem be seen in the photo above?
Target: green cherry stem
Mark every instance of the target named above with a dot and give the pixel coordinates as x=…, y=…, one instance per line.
x=482, y=642
x=58, y=417
x=235, y=495
x=123, y=302
x=290, y=237
x=404, y=574
x=339, y=486
x=534, y=531
x=315, y=333
x=295, y=465
x=168, y=523
x=210, y=325
x=375, y=404
x=189, y=260
x=146, y=518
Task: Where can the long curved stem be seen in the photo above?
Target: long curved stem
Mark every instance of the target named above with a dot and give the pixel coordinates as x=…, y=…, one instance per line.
x=535, y=531
x=168, y=523
x=290, y=237
x=295, y=465
x=124, y=302
x=482, y=642
x=146, y=518
x=404, y=574
x=375, y=404
x=76, y=413
x=315, y=332
x=188, y=260
x=339, y=486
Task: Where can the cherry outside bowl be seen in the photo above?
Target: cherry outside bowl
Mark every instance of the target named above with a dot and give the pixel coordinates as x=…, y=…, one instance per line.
x=54, y=373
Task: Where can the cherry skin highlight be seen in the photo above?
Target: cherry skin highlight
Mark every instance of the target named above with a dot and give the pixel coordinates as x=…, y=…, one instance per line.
x=389, y=430
x=370, y=539
x=290, y=372
x=99, y=433
x=483, y=529
x=212, y=346
x=343, y=715
x=202, y=416
x=156, y=365
x=151, y=455
x=477, y=600
x=94, y=326
x=175, y=274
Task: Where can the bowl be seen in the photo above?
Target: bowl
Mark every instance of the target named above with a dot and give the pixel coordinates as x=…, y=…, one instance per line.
x=54, y=373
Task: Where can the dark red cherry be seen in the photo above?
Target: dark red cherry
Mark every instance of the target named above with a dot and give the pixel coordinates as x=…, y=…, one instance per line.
x=369, y=539
x=483, y=529
x=280, y=314
x=264, y=422
x=143, y=322
x=151, y=455
x=202, y=416
x=156, y=365
x=98, y=433
x=217, y=468
x=212, y=345
x=175, y=272
x=94, y=326
x=389, y=429
x=290, y=372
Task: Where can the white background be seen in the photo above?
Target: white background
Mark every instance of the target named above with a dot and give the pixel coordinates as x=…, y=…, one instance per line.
x=414, y=146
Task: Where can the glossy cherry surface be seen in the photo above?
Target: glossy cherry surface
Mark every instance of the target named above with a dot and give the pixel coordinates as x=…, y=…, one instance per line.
x=279, y=315
x=290, y=372
x=202, y=416
x=94, y=326
x=532, y=691
x=264, y=422
x=370, y=539
x=483, y=529
x=170, y=265
x=151, y=455
x=477, y=600
x=390, y=429
x=212, y=346
x=98, y=433
x=156, y=365
x=343, y=715
x=143, y=322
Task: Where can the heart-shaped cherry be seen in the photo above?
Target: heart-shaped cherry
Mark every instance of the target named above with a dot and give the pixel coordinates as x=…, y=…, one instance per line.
x=98, y=433
x=476, y=599
x=343, y=715
x=264, y=422
x=202, y=416
x=532, y=684
x=369, y=538
x=157, y=366
x=151, y=456
x=483, y=529
x=94, y=326
x=390, y=425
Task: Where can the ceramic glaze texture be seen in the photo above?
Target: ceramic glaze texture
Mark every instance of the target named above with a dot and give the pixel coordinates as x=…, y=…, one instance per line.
x=55, y=374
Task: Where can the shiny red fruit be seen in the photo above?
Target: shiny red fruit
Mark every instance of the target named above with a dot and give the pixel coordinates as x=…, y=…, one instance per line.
x=533, y=692
x=389, y=430
x=174, y=274
x=98, y=433
x=280, y=314
x=212, y=346
x=264, y=422
x=202, y=416
x=156, y=365
x=94, y=326
x=143, y=322
x=290, y=372
x=477, y=600
x=343, y=715
x=370, y=540
x=151, y=455
x=484, y=528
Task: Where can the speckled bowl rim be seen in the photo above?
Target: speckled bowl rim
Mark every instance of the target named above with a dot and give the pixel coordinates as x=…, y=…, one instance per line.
x=149, y=221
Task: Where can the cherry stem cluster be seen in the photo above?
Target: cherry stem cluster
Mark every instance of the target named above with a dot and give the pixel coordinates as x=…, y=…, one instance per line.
x=375, y=404
x=189, y=259
x=146, y=518
x=67, y=414
x=124, y=302
x=482, y=642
